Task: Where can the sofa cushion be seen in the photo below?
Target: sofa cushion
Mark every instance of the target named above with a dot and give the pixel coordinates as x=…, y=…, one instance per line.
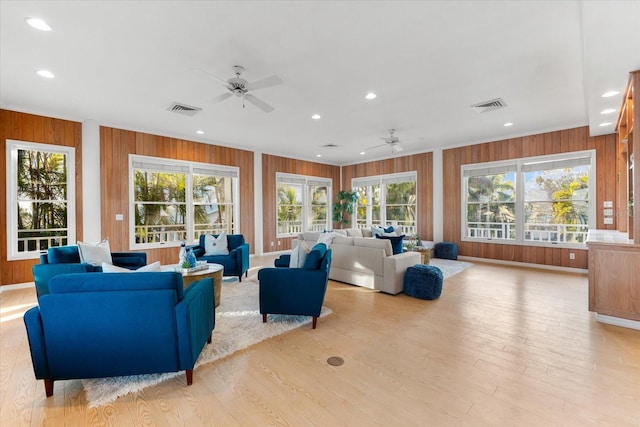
x=95, y=253
x=314, y=257
x=384, y=244
x=216, y=245
x=63, y=255
x=396, y=243
x=343, y=241
x=354, y=232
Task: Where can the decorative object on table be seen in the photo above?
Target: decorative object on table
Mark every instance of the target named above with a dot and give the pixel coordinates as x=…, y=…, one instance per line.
x=237, y=327
x=343, y=208
x=423, y=281
x=446, y=250
x=131, y=324
x=182, y=255
x=191, y=258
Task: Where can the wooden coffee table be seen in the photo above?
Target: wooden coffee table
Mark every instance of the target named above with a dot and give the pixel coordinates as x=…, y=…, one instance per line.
x=215, y=271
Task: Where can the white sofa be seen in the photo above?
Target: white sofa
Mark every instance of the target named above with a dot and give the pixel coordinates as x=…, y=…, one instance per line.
x=366, y=262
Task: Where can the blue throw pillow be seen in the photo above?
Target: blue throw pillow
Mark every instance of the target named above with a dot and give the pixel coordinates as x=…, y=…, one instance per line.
x=396, y=243
x=314, y=257
x=389, y=229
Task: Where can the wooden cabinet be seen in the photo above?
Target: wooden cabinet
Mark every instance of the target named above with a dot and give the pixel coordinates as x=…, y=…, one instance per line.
x=614, y=276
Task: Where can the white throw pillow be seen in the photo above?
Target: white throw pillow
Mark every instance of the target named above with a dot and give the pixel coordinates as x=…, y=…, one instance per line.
x=341, y=232
x=354, y=232
x=299, y=254
x=216, y=245
x=95, y=253
x=110, y=268
x=326, y=238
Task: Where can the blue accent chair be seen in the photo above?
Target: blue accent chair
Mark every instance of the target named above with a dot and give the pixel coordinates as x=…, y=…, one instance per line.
x=235, y=264
x=296, y=291
x=95, y=325
x=66, y=259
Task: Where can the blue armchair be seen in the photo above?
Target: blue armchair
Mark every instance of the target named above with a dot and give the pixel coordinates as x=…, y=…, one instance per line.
x=66, y=259
x=296, y=291
x=95, y=325
x=235, y=264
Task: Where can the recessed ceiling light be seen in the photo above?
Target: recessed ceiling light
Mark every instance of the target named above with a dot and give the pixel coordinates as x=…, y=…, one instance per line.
x=200, y=132
x=318, y=155
x=38, y=24
x=608, y=111
x=606, y=124
x=45, y=73
x=508, y=124
x=316, y=117
x=610, y=93
x=362, y=153
x=371, y=95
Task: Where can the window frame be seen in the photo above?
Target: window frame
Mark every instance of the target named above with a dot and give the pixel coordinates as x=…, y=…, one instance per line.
x=382, y=181
x=12, y=147
x=161, y=164
x=520, y=166
x=306, y=182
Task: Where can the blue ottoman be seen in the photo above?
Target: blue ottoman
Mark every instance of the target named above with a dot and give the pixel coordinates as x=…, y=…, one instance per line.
x=423, y=281
x=446, y=250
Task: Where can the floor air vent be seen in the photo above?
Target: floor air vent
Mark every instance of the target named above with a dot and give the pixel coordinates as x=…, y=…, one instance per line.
x=184, y=109
x=485, y=107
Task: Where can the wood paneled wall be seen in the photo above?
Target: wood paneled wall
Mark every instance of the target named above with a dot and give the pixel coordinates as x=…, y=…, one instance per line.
x=576, y=139
x=422, y=163
x=115, y=147
x=270, y=166
x=44, y=130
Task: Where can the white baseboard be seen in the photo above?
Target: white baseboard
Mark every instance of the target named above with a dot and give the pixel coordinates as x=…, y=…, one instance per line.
x=525, y=264
x=16, y=286
x=618, y=321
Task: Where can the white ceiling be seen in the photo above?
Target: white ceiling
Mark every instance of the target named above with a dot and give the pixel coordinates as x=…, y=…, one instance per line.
x=123, y=63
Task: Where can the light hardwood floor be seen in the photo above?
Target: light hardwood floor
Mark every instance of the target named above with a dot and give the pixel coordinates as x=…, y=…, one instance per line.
x=502, y=346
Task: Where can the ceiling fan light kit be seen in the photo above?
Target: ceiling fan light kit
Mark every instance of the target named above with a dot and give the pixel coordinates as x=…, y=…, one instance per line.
x=240, y=87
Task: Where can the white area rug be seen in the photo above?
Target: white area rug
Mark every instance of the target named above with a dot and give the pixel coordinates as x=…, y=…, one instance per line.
x=449, y=267
x=238, y=326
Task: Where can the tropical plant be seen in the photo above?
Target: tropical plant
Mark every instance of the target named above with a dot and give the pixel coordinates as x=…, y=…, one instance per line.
x=343, y=208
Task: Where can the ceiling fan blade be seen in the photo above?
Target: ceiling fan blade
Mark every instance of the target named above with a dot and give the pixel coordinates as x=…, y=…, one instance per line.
x=222, y=97
x=200, y=70
x=259, y=103
x=266, y=82
x=377, y=146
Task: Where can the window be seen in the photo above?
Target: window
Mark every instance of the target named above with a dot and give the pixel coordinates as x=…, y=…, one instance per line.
x=387, y=200
x=302, y=204
x=174, y=201
x=40, y=198
x=540, y=200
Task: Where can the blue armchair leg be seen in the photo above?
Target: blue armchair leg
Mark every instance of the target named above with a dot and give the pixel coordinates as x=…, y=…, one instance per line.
x=264, y=318
x=315, y=321
x=189, y=373
x=48, y=387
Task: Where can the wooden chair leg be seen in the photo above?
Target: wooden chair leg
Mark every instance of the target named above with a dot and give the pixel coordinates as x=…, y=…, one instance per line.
x=315, y=321
x=240, y=278
x=189, y=373
x=264, y=318
x=209, y=339
x=48, y=387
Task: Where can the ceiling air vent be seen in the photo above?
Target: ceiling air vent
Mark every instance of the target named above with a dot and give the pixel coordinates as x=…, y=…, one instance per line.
x=184, y=109
x=485, y=107
x=330, y=146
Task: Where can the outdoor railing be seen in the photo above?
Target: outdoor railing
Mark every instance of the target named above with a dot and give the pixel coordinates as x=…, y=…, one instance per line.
x=295, y=227
x=555, y=233
x=175, y=233
x=32, y=244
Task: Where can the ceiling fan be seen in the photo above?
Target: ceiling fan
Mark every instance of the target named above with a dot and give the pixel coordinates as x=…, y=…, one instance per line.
x=240, y=87
x=392, y=141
